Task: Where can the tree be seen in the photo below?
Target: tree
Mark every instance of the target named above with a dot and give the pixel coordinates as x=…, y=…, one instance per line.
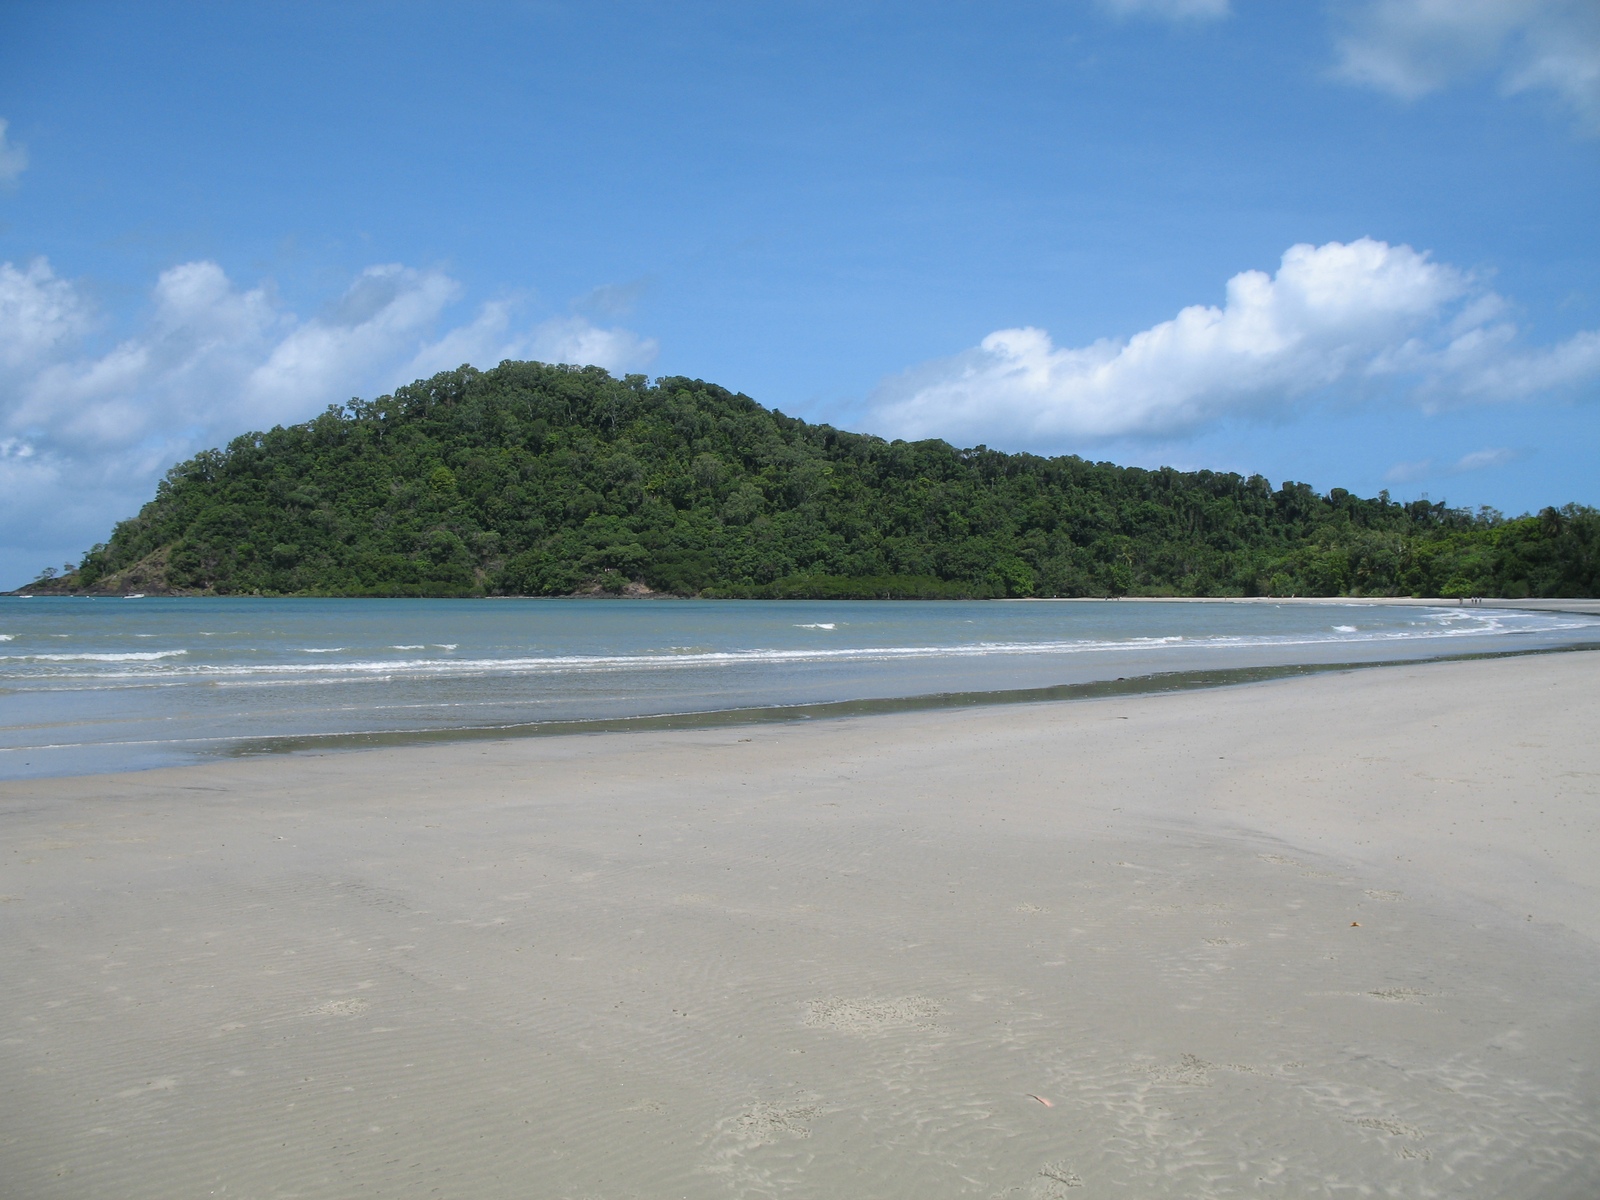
x=539, y=479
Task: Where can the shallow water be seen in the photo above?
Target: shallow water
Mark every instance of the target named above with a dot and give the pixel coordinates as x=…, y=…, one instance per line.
x=110, y=684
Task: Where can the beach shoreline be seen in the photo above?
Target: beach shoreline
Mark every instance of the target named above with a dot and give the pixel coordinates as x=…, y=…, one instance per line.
x=1322, y=932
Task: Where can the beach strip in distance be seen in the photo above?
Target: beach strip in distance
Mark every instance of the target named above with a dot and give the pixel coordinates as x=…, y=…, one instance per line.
x=1313, y=934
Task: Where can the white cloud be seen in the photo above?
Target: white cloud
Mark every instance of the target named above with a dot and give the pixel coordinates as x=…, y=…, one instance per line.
x=84, y=435
x=13, y=158
x=1428, y=468
x=1412, y=47
x=489, y=339
x=614, y=299
x=1409, y=472
x=1172, y=10
x=575, y=340
x=1344, y=318
x=39, y=314
x=1481, y=365
x=1480, y=460
x=384, y=314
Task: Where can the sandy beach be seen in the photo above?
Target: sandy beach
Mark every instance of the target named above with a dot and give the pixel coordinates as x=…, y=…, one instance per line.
x=1336, y=935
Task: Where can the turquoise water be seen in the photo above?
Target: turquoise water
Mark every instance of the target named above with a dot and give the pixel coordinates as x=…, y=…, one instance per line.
x=112, y=684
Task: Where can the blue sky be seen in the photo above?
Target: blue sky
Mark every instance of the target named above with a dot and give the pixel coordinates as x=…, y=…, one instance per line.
x=1348, y=243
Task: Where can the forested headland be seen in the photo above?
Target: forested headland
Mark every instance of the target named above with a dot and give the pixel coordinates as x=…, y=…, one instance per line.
x=531, y=479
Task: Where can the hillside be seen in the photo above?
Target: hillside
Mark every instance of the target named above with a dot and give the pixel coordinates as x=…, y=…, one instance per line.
x=545, y=480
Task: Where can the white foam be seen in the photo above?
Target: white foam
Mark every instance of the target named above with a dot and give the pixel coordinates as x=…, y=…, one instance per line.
x=817, y=625
x=150, y=656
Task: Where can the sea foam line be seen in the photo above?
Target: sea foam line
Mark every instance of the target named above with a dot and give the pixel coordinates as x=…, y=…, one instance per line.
x=130, y=656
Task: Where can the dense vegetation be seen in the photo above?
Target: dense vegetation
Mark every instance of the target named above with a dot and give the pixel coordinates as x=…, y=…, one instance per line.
x=546, y=480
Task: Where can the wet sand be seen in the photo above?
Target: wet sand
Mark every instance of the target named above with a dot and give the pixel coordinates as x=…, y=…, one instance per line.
x=1324, y=936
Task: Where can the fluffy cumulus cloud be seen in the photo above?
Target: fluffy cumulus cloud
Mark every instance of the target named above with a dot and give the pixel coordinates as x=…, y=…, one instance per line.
x=85, y=432
x=1172, y=10
x=1343, y=319
x=1413, y=47
x=13, y=158
x=40, y=316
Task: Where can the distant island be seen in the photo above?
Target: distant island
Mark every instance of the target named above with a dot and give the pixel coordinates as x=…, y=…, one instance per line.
x=532, y=479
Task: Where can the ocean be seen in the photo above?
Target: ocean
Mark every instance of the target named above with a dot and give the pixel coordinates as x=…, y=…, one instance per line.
x=108, y=684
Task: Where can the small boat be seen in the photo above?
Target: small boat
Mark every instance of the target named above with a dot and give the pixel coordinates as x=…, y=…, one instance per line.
x=134, y=596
